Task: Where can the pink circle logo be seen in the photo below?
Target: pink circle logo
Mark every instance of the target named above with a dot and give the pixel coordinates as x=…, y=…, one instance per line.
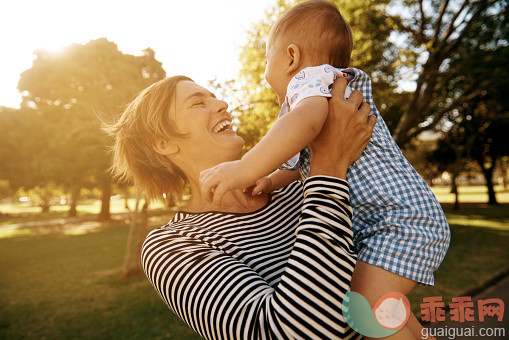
x=392, y=310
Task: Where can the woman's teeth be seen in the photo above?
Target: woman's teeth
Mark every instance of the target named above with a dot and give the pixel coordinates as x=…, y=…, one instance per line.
x=224, y=125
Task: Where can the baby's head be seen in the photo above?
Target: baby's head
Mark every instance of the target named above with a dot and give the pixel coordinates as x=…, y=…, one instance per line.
x=311, y=33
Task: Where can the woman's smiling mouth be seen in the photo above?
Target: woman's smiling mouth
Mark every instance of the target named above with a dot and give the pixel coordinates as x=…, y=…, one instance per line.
x=224, y=125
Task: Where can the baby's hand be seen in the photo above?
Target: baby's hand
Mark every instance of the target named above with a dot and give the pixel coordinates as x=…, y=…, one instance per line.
x=264, y=185
x=216, y=181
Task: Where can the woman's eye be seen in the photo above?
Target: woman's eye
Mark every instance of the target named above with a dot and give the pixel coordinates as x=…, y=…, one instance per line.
x=198, y=103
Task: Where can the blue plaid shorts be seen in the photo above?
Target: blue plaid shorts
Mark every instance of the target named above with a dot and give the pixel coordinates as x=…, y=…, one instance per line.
x=398, y=224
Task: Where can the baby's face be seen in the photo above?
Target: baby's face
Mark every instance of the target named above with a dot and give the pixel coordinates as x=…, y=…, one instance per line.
x=275, y=70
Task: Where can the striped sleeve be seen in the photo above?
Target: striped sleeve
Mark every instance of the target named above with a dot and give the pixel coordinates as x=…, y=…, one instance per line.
x=220, y=297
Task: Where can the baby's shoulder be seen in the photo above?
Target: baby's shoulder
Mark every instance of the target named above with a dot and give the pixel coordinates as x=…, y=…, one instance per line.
x=320, y=71
x=309, y=82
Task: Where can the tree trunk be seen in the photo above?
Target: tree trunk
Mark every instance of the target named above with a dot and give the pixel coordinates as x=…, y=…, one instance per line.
x=142, y=233
x=421, y=100
x=492, y=198
x=455, y=191
x=503, y=170
x=457, y=197
x=130, y=236
x=457, y=201
x=406, y=121
x=138, y=225
x=45, y=201
x=104, y=215
x=488, y=176
x=126, y=198
x=44, y=207
x=75, y=193
x=454, y=188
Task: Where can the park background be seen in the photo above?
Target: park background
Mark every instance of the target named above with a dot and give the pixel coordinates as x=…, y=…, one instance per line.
x=70, y=235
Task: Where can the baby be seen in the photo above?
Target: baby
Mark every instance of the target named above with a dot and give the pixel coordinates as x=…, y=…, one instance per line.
x=400, y=232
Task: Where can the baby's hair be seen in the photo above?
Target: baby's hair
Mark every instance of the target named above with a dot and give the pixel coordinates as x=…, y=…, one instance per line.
x=317, y=27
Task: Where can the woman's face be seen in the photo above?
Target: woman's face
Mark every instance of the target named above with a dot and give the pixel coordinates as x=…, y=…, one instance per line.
x=203, y=118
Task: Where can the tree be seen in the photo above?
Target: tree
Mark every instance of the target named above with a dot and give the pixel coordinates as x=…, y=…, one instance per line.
x=73, y=89
x=490, y=145
x=436, y=36
x=483, y=119
x=477, y=133
x=418, y=154
x=450, y=154
x=479, y=137
x=26, y=150
x=5, y=190
x=392, y=40
x=504, y=166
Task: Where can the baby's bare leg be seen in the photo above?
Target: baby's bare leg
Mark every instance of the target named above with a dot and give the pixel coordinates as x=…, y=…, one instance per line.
x=373, y=282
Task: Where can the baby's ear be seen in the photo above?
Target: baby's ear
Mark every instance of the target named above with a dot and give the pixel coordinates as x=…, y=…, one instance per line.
x=165, y=147
x=295, y=59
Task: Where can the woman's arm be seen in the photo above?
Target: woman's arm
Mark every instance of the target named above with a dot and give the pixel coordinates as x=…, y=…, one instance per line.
x=220, y=297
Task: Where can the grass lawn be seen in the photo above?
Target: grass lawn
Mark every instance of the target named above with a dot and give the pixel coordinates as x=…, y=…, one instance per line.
x=470, y=194
x=63, y=282
x=68, y=286
x=478, y=251
x=26, y=212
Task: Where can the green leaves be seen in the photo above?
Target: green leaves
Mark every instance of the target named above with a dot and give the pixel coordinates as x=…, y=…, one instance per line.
x=418, y=44
x=56, y=136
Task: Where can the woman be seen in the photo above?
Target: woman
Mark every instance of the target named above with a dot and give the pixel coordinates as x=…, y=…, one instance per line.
x=268, y=266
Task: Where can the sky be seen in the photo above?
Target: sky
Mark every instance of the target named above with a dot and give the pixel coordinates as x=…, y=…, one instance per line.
x=198, y=38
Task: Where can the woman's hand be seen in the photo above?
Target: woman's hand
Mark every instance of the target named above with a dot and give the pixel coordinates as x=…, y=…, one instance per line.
x=344, y=135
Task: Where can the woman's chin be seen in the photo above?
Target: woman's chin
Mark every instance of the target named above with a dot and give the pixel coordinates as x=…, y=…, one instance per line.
x=229, y=140
x=229, y=134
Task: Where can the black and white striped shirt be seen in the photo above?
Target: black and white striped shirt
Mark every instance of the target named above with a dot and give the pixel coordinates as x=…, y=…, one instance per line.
x=276, y=273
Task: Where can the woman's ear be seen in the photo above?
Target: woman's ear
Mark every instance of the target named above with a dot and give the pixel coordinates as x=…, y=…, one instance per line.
x=165, y=147
x=295, y=59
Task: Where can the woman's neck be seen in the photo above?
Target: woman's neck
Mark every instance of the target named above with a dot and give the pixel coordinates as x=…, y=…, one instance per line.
x=245, y=203
x=233, y=201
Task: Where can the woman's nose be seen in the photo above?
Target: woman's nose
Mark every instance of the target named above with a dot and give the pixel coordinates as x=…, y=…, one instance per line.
x=220, y=106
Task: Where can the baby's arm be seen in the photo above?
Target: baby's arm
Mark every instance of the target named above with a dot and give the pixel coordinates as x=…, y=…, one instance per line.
x=289, y=135
x=276, y=180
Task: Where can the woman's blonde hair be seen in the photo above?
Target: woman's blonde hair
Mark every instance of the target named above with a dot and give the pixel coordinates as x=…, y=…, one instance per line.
x=146, y=120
